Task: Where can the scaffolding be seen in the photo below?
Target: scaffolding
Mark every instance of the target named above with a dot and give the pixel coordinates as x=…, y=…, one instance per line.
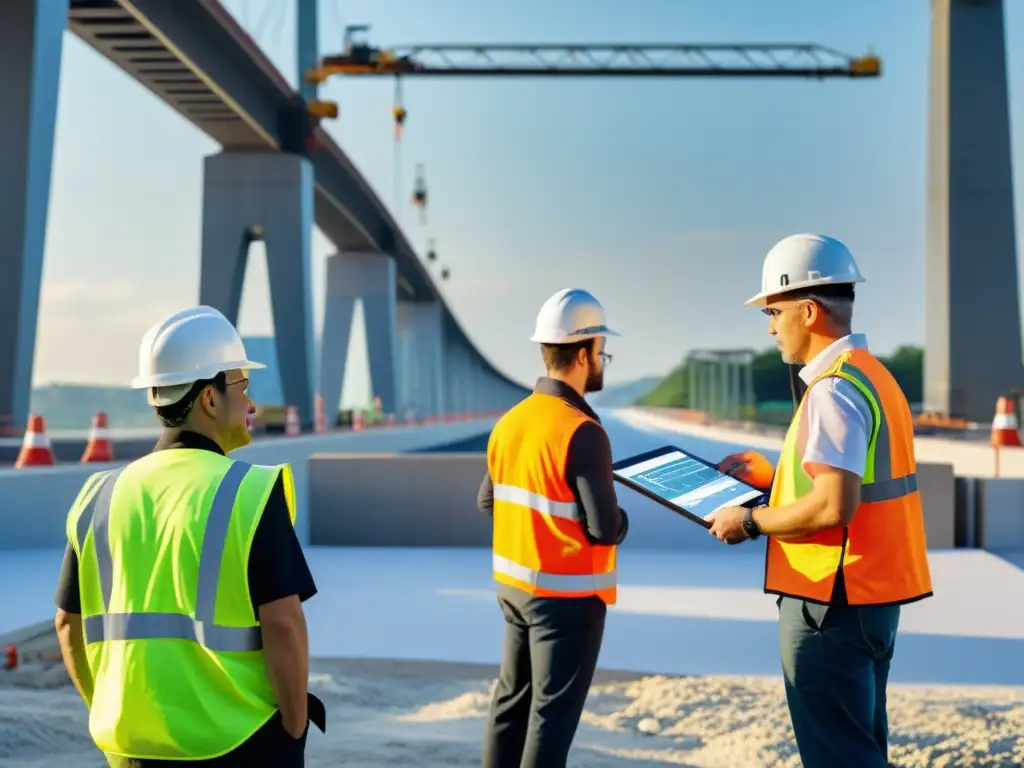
x=721, y=383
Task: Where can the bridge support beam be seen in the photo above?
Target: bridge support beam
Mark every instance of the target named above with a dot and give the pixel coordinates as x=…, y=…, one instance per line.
x=973, y=337
x=421, y=359
x=371, y=277
x=253, y=195
x=31, y=44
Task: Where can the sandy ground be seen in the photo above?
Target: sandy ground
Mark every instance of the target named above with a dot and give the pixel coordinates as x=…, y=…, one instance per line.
x=427, y=714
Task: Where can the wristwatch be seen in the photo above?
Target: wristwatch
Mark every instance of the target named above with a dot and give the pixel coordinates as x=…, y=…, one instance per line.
x=750, y=526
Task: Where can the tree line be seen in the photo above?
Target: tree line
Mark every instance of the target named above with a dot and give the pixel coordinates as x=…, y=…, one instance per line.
x=771, y=379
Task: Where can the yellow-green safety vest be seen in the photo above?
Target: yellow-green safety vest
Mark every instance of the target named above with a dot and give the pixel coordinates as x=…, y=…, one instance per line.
x=171, y=635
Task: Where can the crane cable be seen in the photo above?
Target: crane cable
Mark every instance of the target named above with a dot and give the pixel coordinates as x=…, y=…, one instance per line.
x=397, y=159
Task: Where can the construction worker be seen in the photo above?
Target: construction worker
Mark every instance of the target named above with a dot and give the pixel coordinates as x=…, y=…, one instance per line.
x=557, y=524
x=180, y=619
x=846, y=543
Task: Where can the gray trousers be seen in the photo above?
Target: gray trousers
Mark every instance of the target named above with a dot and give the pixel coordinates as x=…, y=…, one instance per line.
x=835, y=661
x=548, y=661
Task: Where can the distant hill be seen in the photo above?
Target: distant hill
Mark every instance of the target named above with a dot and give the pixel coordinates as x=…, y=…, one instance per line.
x=621, y=395
x=72, y=406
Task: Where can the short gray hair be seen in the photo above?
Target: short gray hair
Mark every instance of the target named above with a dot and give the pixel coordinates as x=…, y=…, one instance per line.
x=840, y=309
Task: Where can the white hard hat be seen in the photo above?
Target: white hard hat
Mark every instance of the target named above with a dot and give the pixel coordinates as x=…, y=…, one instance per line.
x=190, y=345
x=804, y=261
x=569, y=316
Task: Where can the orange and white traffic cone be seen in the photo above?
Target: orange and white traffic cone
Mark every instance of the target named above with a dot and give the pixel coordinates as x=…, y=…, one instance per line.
x=14, y=657
x=36, y=450
x=292, y=428
x=320, y=422
x=100, y=448
x=1005, y=428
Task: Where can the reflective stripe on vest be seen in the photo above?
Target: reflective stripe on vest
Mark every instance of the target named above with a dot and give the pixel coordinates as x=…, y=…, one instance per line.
x=883, y=551
x=169, y=626
x=566, y=510
x=556, y=582
x=883, y=486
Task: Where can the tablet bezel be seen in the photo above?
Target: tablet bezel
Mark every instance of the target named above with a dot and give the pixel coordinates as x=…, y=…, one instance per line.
x=682, y=511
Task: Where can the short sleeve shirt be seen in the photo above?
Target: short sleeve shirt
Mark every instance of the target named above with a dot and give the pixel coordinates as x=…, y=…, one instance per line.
x=836, y=416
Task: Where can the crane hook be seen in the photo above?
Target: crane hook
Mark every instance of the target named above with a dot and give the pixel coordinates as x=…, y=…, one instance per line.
x=399, y=112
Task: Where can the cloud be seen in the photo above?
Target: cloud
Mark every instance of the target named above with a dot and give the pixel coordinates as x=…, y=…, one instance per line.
x=78, y=292
x=89, y=332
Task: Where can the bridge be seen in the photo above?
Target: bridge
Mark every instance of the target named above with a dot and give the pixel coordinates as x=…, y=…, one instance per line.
x=430, y=555
x=263, y=184
x=277, y=173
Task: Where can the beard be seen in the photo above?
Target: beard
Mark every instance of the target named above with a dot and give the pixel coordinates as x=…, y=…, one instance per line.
x=595, y=381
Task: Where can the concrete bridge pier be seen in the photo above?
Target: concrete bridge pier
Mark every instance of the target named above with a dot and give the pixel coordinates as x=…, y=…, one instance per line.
x=973, y=337
x=249, y=196
x=371, y=277
x=31, y=44
x=421, y=367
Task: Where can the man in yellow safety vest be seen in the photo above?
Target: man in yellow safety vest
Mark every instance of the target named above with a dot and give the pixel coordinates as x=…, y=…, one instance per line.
x=179, y=607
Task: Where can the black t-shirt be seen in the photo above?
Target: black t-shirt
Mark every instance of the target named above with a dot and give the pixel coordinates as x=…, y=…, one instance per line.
x=277, y=565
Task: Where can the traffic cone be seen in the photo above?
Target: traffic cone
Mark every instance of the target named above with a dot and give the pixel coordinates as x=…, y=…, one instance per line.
x=100, y=448
x=1005, y=429
x=292, y=428
x=36, y=450
x=320, y=422
x=357, y=421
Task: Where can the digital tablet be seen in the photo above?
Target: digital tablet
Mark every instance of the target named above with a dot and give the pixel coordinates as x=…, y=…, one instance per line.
x=686, y=484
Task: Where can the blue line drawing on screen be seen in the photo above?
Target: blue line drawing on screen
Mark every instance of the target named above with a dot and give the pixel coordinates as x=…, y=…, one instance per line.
x=690, y=484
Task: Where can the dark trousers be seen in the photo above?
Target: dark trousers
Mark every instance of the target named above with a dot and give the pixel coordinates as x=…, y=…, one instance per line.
x=835, y=661
x=549, y=657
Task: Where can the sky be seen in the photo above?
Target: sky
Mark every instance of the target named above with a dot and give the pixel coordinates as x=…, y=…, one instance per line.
x=660, y=196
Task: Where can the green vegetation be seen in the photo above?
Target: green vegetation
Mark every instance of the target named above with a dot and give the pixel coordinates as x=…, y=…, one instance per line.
x=771, y=383
x=72, y=406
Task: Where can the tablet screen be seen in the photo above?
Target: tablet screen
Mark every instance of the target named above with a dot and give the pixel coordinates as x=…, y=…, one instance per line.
x=687, y=482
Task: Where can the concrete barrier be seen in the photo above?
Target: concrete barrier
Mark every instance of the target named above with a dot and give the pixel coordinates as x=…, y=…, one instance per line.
x=34, y=502
x=938, y=498
x=400, y=500
x=429, y=500
x=69, y=451
x=999, y=515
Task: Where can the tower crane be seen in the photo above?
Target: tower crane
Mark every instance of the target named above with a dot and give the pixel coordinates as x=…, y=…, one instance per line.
x=752, y=60
x=593, y=60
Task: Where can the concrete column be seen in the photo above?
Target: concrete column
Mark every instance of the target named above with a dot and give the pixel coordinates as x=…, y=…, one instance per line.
x=272, y=195
x=422, y=370
x=973, y=337
x=31, y=43
x=372, y=278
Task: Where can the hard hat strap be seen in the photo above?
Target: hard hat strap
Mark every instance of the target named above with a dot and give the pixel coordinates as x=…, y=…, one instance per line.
x=176, y=414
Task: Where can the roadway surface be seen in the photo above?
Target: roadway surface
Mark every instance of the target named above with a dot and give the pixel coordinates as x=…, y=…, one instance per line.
x=693, y=609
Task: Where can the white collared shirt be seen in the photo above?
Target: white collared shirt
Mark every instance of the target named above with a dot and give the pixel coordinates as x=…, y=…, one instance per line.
x=836, y=418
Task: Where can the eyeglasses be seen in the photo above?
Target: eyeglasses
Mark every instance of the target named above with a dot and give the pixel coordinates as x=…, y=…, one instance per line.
x=606, y=359
x=774, y=312
x=244, y=380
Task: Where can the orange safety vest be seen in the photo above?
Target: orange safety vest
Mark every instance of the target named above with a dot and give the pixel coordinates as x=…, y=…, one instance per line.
x=883, y=552
x=539, y=541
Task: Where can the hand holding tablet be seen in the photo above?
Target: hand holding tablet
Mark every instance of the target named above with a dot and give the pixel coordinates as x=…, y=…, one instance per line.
x=686, y=484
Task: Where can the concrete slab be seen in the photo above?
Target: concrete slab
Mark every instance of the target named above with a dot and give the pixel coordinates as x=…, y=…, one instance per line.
x=692, y=614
